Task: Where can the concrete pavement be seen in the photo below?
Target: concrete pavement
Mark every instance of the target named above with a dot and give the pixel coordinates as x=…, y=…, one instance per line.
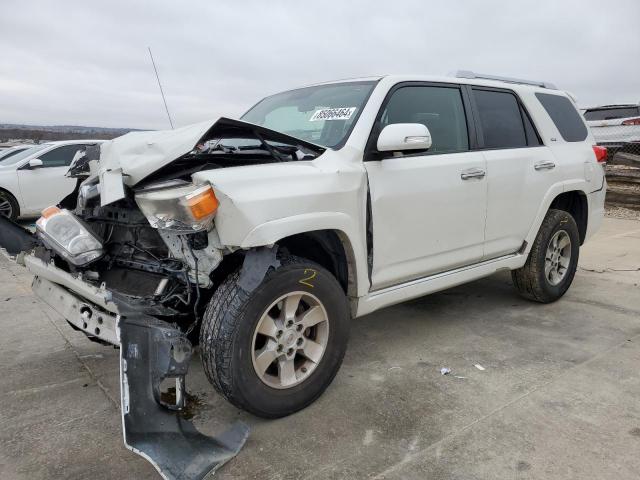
x=559, y=397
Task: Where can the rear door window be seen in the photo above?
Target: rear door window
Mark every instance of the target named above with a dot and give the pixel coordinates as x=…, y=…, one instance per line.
x=500, y=119
x=61, y=156
x=564, y=116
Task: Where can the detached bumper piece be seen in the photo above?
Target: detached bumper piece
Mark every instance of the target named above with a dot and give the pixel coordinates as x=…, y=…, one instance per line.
x=14, y=238
x=150, y=352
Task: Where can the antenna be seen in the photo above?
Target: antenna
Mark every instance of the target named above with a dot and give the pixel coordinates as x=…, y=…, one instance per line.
x=160, y=85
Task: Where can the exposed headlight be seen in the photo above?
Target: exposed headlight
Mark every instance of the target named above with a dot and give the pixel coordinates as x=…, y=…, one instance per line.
x=186, y=208
x=62, y=231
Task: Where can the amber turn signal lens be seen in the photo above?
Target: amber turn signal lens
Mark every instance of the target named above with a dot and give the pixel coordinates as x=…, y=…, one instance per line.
x=50, y=212
x=203, y=203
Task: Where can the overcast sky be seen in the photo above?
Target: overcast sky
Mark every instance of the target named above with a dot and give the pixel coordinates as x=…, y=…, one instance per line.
x=86, y=63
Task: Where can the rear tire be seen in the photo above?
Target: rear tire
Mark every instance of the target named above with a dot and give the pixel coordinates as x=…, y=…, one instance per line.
x=232, y=338
x=552, y=262
x=9, y=206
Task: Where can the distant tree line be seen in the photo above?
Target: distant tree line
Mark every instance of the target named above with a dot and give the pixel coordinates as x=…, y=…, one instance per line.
x=38, y=136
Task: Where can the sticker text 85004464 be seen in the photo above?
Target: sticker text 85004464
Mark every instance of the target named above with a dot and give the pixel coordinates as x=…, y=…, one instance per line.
x=341, y=113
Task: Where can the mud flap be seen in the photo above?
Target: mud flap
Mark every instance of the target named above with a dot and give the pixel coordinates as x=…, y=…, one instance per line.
x=14, y=238
x=150, y=352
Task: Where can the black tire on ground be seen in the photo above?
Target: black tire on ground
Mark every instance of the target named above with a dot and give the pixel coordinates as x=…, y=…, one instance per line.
x=530, y=280
x=13, y=203
x=229, y=323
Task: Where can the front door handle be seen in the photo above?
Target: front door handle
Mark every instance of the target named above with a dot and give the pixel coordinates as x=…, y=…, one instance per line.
x=472, y=173
x=544, y=166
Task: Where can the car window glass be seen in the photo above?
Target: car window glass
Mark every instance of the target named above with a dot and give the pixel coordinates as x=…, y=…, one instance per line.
x=611, y=113
x=61, y=156
x=565, y=116
x=500, y=118
x=533, y=139
x=440, y=109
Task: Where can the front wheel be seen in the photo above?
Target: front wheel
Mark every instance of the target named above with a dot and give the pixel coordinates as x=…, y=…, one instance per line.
x=553, y=259
x=8, y=206
x=273, y=351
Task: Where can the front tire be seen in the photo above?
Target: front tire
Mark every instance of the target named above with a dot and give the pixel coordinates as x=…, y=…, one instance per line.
x=275, y=350
x=553, y=259
x=9, y=206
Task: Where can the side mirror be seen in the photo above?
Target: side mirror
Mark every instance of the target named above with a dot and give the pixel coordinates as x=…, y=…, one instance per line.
x=35, y=163
x=399, y=137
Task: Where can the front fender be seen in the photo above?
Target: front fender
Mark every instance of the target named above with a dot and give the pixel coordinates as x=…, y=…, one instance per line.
x=262, y=204
x=270, y=232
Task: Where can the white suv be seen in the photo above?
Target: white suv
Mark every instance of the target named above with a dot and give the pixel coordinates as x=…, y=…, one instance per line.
x=268, y=234
x=616, y=127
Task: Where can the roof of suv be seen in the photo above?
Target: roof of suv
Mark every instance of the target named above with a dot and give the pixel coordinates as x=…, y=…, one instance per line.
x=395, y=78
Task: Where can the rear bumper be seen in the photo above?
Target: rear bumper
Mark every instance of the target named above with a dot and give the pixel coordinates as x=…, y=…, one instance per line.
x=595, y=202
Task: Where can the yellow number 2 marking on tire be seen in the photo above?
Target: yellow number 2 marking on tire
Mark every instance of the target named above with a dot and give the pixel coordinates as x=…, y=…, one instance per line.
x=307, y=280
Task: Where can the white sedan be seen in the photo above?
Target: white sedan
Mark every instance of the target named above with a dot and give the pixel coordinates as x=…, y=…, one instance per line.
x=34, y=179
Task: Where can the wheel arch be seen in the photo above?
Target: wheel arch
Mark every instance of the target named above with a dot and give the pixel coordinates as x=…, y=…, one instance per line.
x=575, y=203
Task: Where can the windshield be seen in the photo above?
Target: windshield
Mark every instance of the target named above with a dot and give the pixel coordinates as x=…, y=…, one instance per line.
x=10, y=152
x=13, y=159
x=324, y=114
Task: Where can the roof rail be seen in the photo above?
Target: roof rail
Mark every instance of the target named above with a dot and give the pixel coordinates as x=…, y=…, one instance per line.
x=470, y=74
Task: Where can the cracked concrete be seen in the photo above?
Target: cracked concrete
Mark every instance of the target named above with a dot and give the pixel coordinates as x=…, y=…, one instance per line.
x=559, y=397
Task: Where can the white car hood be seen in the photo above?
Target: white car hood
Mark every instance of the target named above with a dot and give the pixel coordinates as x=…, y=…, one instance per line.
x=138, y=154
x=131, y=158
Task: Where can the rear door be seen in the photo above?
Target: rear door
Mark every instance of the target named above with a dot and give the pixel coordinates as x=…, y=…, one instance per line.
x=520, y=169
x=45, y=186
x=427, y=209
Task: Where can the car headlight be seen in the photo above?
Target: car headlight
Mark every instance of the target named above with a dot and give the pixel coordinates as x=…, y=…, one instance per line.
x=185, y=208
x=67, y=235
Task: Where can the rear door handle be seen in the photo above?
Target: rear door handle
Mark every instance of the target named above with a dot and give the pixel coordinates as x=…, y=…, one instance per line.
x=472, y=173
x=544, y=166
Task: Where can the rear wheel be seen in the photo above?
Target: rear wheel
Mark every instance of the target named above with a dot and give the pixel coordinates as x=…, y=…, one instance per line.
x=8, y=205
x=553, y=259
x=273, y=351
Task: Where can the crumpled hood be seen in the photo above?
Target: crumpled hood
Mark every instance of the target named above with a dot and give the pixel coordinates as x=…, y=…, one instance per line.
x=139, y=154
x=136, y=155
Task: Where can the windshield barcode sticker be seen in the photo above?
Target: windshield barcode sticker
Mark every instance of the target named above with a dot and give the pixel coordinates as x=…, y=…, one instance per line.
x=343, y=113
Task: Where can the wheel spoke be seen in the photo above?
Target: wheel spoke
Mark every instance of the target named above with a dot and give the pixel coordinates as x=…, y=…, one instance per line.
x=291, y=306
x=547, y=267
x=312, y=317
x=268, y=326
x=264, y=359
x=286, y=372
x=564, y=241
x=312, y=350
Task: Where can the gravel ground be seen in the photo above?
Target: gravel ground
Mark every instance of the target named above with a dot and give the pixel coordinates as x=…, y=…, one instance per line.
x=621, y=212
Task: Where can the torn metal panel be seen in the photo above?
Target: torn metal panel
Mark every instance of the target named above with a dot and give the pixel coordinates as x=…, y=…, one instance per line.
x=151, y=351
x=96, y=323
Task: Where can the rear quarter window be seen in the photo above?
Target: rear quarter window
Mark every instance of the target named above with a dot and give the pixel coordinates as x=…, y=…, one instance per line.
x=565, y=116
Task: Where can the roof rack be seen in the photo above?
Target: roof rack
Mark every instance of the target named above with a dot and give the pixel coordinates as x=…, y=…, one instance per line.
x=470, y=74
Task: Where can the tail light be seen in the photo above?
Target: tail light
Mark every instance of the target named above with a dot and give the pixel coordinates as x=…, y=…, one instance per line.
x=632, y=121
x=601, y=153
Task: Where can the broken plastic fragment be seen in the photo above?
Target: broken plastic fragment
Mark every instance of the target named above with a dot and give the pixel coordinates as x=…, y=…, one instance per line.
x=445, y=371
x=479, y=367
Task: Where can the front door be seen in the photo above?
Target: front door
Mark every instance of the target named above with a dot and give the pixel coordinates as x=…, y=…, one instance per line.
x=428, y=209
x=46, y=185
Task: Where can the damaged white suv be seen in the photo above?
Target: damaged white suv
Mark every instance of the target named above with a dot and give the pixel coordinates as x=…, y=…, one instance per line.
x=261, y=238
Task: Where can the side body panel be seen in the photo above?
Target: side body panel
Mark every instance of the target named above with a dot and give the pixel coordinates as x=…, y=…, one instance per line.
x=426, y=218
x=260, y=205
